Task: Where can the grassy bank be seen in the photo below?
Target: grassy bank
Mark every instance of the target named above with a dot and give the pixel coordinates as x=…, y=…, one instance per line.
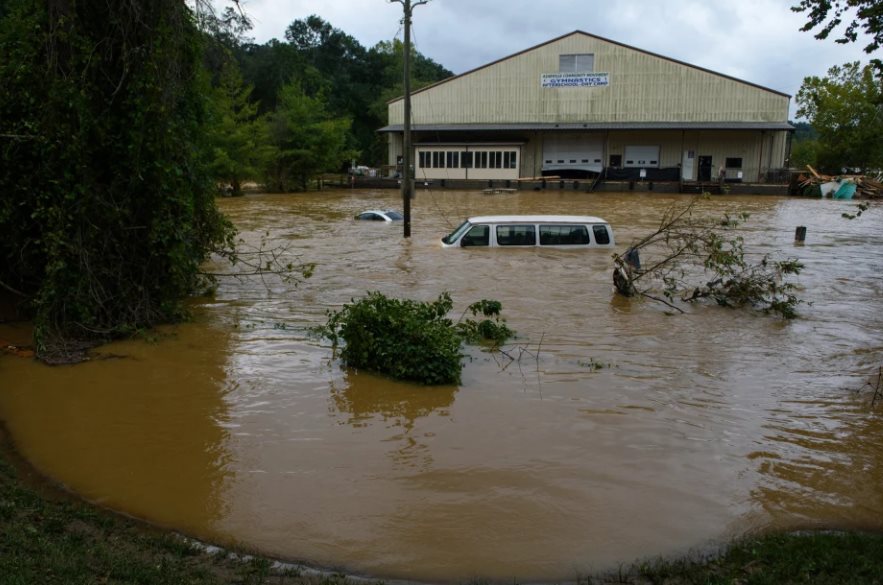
x=49, y=538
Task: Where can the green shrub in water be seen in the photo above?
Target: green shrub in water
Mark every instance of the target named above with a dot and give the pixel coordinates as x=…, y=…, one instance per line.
x=406, y=339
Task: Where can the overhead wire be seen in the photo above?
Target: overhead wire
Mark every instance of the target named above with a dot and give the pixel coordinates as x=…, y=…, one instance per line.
x=428, y=182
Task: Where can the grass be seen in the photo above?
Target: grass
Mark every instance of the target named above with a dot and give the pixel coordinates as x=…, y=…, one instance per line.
x=49, y=538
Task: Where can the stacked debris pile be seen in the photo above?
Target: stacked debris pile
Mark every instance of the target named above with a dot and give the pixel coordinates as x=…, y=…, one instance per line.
x=841, y=186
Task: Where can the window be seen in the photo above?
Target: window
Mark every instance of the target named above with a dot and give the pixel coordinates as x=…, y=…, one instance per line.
x=452, y=237
x=510, y=160
x=481, y=160
x=602, y=236
x=579, y=63
x=424, y=159
x=496, y=160
x=516, y=235
x=479, y=235
x=734, y=163
x=453, y=160
x=564, y=235
x=465, y=160
x=438, y=160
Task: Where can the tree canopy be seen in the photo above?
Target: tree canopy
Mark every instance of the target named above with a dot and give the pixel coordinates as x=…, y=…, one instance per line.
x=857, y=15
x=106, y=203
x=118, y=122
x=846, y=110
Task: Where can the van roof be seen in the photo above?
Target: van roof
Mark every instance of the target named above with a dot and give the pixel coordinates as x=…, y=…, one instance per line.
x=536, y=219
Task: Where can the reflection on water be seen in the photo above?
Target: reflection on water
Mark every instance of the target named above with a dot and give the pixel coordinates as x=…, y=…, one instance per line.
x=241, y=428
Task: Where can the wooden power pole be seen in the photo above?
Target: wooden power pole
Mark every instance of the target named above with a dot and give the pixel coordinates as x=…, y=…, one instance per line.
x=407, y=178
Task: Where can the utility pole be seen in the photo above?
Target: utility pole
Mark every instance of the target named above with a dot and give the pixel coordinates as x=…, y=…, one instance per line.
x=407, y=179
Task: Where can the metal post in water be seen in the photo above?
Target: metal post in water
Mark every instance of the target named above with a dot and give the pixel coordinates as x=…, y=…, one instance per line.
x=407, y=180
x=800, y=234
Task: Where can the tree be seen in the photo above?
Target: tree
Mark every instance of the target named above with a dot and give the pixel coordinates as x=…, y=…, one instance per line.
x=271, y=66
x=386, y=60
x=309, y=140
x=239, y=138
x=694, y=257
x=106, y=204
x=804, y=145
x=830, y=14
x=846, y=109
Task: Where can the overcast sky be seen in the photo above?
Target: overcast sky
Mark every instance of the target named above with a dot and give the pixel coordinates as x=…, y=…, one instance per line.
x=754, y=40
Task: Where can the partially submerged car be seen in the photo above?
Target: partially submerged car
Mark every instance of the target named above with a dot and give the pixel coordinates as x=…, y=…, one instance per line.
x=380, y=215
x=547, y=231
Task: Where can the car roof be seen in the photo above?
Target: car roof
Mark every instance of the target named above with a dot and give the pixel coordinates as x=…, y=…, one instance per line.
x=536, y=219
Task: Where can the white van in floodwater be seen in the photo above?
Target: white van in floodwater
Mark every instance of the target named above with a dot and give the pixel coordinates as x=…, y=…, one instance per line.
x=523, y=231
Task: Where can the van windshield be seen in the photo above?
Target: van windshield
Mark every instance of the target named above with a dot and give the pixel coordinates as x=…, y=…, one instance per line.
x=455, y=235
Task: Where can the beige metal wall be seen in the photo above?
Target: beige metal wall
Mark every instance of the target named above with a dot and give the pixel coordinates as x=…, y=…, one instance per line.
x=642, y=88
x=761, y=152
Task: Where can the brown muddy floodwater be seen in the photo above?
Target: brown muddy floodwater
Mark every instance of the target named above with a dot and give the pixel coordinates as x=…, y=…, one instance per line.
x=240, y=428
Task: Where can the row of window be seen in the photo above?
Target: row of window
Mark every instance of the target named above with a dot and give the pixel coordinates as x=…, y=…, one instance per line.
x=526, y=235
x=463, y=159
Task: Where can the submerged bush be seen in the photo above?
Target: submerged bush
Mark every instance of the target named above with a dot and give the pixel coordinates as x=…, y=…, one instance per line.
x=410, y=340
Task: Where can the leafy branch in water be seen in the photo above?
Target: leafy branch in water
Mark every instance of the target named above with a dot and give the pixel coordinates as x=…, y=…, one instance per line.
x=491, y=329
x=410, y=340
x=261, y=261
x=695, y=258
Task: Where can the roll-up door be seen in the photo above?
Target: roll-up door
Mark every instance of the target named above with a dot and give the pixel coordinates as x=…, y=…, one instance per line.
x=582, y=152
x=641, y=157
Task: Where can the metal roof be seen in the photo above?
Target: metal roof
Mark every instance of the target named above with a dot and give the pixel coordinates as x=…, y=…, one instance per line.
x=592, y=126
x=579, y=32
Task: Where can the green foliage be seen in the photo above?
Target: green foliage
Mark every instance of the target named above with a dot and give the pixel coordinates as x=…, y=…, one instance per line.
x=696, y=258
x=106, y=205
x=411, y=340
x=404, y=339
x=323, y=60
x=865, y=15
x=308, y=140
x=846, y=109
x=491, y=329
x=238, y=137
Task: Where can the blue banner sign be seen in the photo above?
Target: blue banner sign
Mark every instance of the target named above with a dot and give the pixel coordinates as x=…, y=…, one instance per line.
x=575, y=79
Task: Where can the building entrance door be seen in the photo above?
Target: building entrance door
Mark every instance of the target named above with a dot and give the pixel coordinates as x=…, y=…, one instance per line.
x=705, y=168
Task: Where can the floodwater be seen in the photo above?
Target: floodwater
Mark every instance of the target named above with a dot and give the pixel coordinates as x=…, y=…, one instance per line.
x=619, y=431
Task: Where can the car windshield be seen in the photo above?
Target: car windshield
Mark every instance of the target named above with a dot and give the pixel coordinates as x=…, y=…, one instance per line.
x=454, y=235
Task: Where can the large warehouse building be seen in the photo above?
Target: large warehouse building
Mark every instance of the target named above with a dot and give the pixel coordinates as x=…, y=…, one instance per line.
x=580, y=105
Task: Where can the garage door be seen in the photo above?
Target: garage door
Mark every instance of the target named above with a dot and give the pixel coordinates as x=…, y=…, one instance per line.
x=641, y=157
x=581, y=152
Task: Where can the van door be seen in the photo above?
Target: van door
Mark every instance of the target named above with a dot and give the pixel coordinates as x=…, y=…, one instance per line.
x=478, y=235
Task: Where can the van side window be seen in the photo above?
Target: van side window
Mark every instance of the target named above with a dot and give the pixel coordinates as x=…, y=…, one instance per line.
x=479, y=235
x=602, y=236
x=564, y=235
x=516, y=235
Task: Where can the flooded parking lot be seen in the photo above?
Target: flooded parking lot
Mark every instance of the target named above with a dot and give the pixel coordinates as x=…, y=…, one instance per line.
x=621, y=432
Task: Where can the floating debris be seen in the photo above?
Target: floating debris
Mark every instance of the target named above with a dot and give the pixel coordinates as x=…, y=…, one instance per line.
x=842, y=186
